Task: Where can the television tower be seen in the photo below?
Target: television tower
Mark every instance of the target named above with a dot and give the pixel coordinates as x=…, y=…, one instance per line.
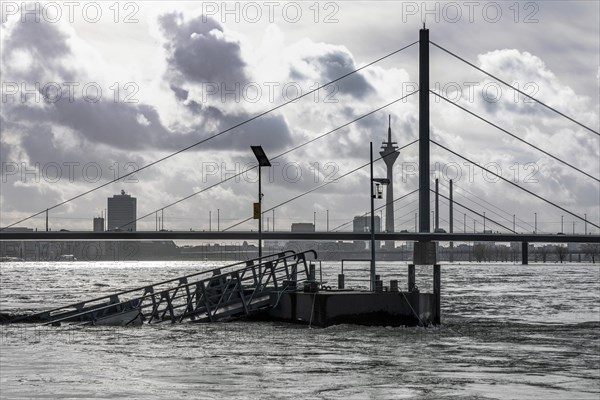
x=389, y=152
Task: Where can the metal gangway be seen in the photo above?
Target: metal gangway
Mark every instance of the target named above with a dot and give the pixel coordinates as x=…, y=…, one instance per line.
x=228, y=292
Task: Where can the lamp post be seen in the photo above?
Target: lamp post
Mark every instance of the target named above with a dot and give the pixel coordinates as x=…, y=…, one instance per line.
x=263, y=161
x=378, y=195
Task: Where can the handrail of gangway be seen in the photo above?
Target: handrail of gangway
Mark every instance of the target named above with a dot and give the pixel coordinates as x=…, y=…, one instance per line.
x=279, y=256
x=147, y=295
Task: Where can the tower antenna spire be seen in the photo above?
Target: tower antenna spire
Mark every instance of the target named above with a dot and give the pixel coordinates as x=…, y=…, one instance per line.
x=389, y=152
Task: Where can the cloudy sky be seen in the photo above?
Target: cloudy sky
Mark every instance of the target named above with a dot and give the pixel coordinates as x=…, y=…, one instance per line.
x=92, y=91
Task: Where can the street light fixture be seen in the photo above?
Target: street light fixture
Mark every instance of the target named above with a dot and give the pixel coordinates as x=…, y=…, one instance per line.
x=263, y=161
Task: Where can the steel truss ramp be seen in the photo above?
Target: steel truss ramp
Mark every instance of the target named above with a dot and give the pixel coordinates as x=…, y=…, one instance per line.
x=229, y=292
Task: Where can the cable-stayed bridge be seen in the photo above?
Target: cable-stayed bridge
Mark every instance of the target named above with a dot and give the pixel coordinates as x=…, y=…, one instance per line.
x=423, y=224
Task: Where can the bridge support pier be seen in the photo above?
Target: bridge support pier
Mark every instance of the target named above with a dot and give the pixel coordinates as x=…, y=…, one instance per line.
x=525, y=253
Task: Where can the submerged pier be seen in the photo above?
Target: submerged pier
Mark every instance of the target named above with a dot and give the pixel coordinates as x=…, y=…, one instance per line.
x=279, y=287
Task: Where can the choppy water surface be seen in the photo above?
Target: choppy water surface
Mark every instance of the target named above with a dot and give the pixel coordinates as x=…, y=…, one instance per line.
x=509, y=332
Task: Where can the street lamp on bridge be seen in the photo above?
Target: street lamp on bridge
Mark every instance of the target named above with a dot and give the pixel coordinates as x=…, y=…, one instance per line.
x=263, y=161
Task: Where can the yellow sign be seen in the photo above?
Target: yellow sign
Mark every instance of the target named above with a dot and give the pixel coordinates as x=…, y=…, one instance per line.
x=256, y=211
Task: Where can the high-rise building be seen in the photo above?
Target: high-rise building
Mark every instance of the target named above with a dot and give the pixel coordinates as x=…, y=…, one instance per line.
x=389, y=152
x=362, y=224
x=122, y=212
x=98, y=224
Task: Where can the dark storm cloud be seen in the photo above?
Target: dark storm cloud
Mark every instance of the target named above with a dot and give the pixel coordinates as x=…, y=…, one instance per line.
x=68, y=159
x=129, y=126
x=197, y=50
x=335, y=64
x=21, y=198
x=197, y=55
x=114, y=124
x=270, y=130
x=44, y=42
x=136, y=127
x=180, y=94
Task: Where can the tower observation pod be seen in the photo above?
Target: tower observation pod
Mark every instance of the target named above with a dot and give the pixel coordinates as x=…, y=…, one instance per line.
x=389, y=152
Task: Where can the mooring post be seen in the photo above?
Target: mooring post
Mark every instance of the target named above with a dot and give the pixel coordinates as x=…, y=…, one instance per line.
x=378, y=284
x=312, y=272
x=525, y=253
x=437, y=281
x=411, y=277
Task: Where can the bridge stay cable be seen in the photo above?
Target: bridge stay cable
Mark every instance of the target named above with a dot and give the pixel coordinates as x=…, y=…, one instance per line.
x=400, y=224
x=210, y=137
x=514, y=184
x=379, y=208
x=514, y=88
x=317, y=187
x=404, y=206
x=456, y=186
x=457, y=222
x=475, y=212
x=276, y=157
x=515, y=136
x=489, y=209
x=407, y=214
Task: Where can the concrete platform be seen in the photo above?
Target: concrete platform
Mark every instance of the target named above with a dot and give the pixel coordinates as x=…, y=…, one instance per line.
x=325, y=308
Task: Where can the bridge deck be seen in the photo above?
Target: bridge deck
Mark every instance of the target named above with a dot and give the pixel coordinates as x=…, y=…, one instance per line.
x=399, y=236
